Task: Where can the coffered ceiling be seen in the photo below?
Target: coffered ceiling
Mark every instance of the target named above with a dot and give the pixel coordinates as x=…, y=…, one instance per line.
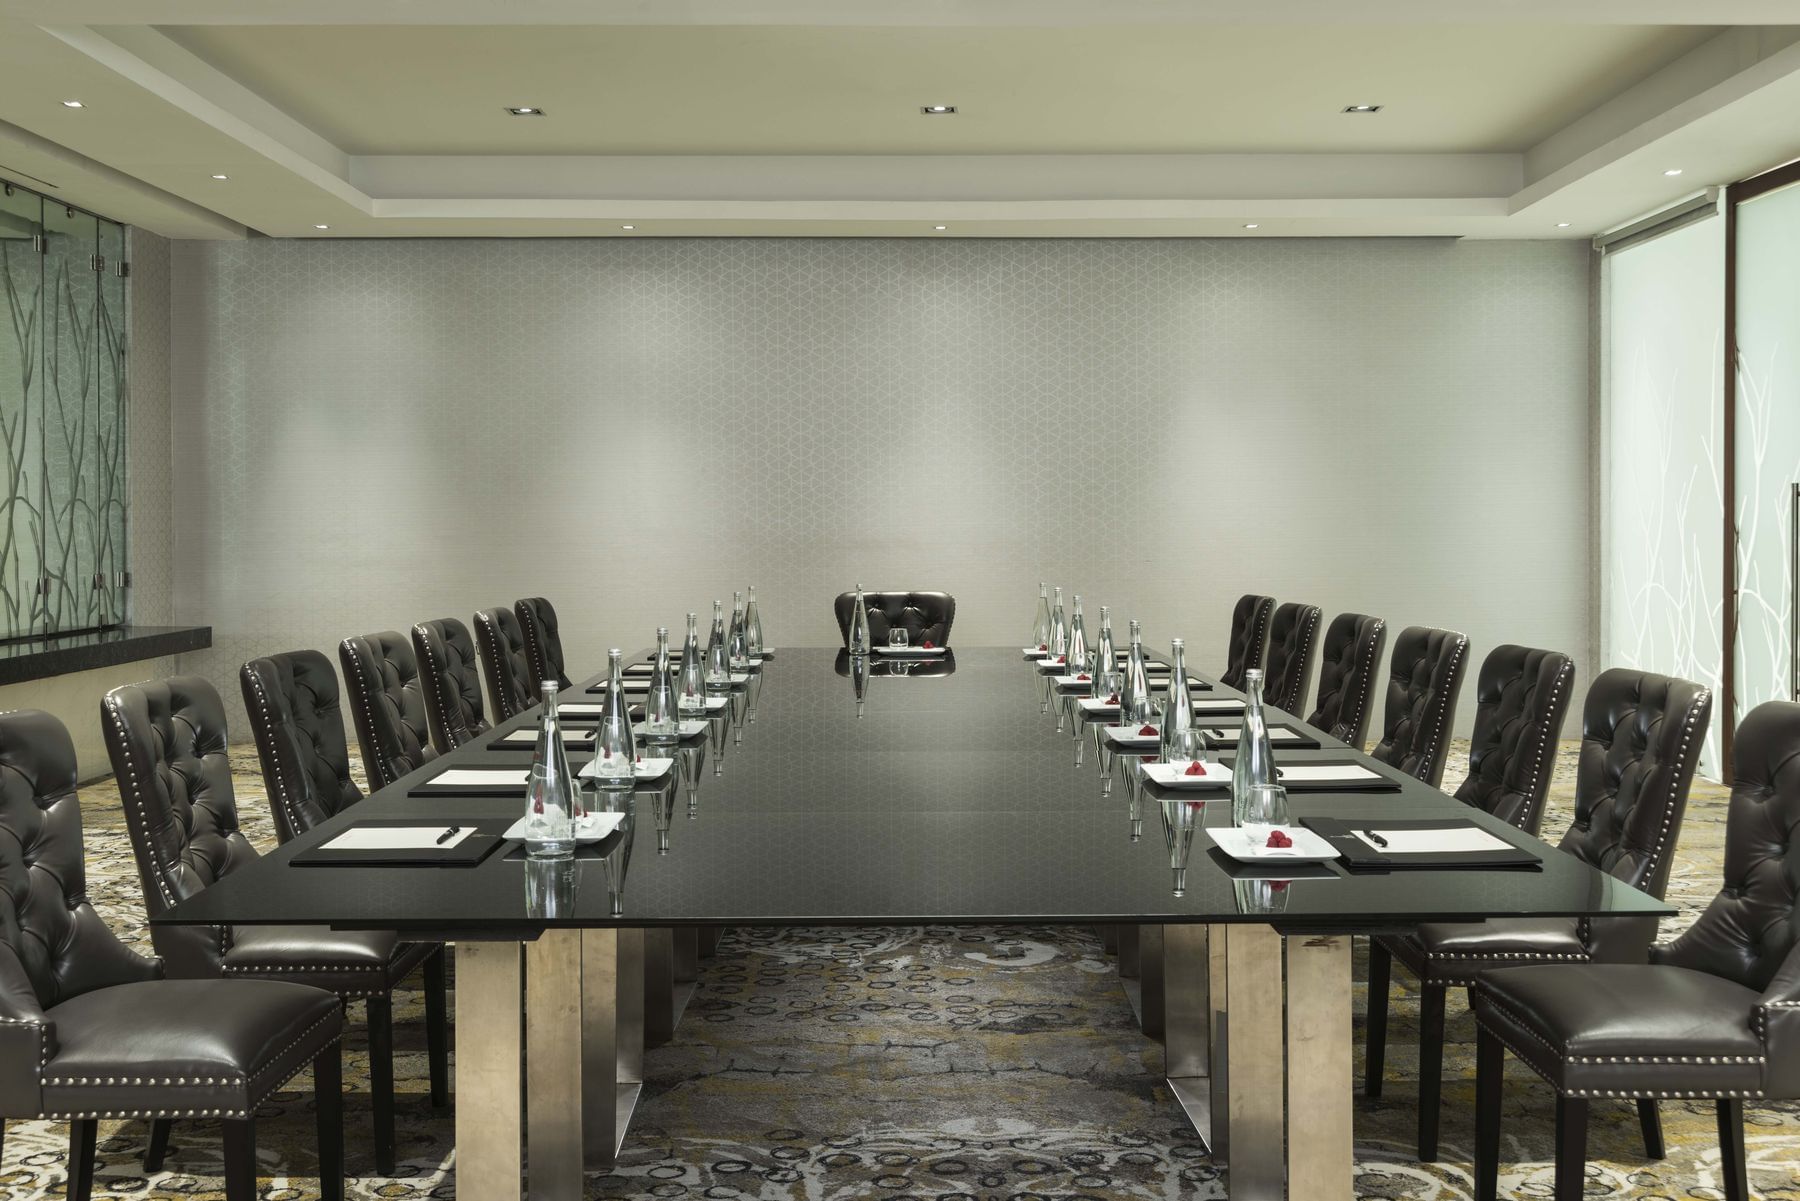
x=1131, y=118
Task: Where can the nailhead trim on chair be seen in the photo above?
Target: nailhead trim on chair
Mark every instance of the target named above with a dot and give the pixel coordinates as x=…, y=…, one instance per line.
x=285, y=798
x=1529, y=820
x=1433, y=761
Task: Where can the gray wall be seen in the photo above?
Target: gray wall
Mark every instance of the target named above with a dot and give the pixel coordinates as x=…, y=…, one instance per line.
x=370, y=433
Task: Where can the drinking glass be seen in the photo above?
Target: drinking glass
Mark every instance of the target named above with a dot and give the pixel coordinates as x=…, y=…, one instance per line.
x=1184, y=745
x=1265, y=808
x=1108, y=682
x=898, y=639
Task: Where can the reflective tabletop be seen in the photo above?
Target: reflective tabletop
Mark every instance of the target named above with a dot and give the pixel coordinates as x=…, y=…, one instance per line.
x=828, y=794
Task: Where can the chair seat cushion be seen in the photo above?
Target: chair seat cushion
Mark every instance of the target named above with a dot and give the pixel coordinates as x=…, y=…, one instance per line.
x=1627, y=1030
x=1455, y=953
x=350, y=963
x=167, y=1048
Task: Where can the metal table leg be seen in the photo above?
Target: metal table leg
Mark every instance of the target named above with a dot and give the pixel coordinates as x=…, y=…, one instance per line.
x=489, y=1062
x=1320, y=1120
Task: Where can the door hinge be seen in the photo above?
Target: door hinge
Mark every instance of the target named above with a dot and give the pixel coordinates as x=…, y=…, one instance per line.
x=125, y=580
x=124, y=270
x=98, y=262
x=43, y=585
x=40, y=243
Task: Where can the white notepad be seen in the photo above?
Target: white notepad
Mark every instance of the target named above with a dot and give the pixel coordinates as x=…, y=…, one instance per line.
x=1458, y=839
x=1303, y=773
x=478, y=775
x=397, y=838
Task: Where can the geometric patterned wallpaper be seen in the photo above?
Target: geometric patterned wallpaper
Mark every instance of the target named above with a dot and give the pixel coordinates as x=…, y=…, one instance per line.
x=369, y=433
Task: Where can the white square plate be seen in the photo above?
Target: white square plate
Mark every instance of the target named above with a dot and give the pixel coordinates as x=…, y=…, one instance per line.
x=1072, y=682
x=1174, y=775
x=647, y=769
x=1240, y=845
x=688, y=727
x=1129, y=736
x=591, y=827
x=1034, y=652
x=1096, y=704
x=911, y=650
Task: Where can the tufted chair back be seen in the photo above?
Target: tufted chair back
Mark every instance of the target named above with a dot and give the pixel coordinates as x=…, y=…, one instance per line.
x=292, y=700
x=1521, y=698
x=59, y=947
x=1424, y=677
x=1249, y=635
x=505, y=663
x=923, y=615
x=543, y=640
x=1293, y=637
x=1640, y=739
x=452, y=683
x=1753, y=925
x=166, y=740
x=387, y=698
x=1347, y=672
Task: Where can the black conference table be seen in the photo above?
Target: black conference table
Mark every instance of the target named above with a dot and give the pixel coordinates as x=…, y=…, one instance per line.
x=941, y=794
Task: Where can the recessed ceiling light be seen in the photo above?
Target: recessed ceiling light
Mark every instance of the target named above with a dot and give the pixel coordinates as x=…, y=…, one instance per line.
x=627, y=227
x=940, y=227
x=937, y=110
x=216, y=175
x=1252, y=225
x=321, y=227
x=1673, y=171
x=525, y=110
x=1562, y=225
x=1362, y=108
x=73, y=104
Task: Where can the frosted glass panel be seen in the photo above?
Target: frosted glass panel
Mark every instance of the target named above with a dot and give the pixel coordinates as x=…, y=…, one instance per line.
x=1664, y=536
x=21, y=432
x=1768, y=443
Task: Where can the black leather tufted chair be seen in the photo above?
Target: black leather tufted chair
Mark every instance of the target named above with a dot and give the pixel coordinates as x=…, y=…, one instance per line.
x=1714, y=1014
x=1293, y=637
x=90, y=1030
x=1424, y=677
x=1249, y=635
x=1641, y=736
x=452, y=682
x=1522, y=697
x=169, y=754
x=505, y=663
x=1347, y=671
x=292, y=700
x=923, y=615
x=543, y=640
x=387, y=699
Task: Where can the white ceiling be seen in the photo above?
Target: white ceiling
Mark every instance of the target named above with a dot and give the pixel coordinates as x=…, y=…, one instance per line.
x=1132, y=118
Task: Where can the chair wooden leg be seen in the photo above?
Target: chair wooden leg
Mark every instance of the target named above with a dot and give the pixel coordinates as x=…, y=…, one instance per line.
x=328, y=1100
x=1731, y=1150
x=1650, y=1121
x=381, y=1080
x=157, y=1147
x=83, y=1133
x=1431, y=1067
x=240, y=1159
x=437, y=1027
x=1571, y=1147
x=1490, y=1078
x=1375, y=1028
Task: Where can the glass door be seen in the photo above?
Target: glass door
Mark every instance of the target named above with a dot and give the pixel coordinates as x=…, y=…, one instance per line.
x=111, y=401
x=70, y=413
x=21, y=432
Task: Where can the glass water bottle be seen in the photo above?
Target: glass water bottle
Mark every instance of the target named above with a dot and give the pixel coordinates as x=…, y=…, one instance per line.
x=662, y=716
x=859, y=625
x=753, y=625
x=1178, y=709
x=1106, y=659
x=1078, y=647
x=615, y=748
x=1135, y=707
x=718, y=669
x=1040, y=626
x=737, y=646
x=690, y=682
x=1059, y=629
x=550, y=799
x=1255, y=760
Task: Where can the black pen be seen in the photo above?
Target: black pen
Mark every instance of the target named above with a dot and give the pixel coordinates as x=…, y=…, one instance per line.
x=447, y=835
x=1375, y=838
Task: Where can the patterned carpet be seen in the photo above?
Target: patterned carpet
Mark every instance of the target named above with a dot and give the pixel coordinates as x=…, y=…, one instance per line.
x=935, y=1062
